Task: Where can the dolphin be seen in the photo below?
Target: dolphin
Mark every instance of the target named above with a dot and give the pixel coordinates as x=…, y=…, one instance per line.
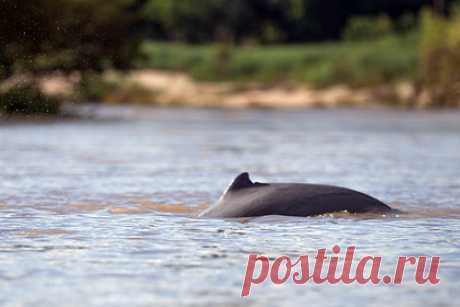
x=244, y=198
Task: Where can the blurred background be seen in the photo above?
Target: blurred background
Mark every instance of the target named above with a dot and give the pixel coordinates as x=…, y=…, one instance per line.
x=228, y=53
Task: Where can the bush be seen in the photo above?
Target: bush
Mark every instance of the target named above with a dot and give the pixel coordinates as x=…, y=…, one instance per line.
x=93, y=87
x=368, y=28
x=27, y=99
x=439, y=66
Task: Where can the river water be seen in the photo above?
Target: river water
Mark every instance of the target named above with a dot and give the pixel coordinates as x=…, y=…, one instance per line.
x=101, y=211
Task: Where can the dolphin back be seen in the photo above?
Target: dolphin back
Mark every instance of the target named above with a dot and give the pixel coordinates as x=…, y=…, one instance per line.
x=244, y=198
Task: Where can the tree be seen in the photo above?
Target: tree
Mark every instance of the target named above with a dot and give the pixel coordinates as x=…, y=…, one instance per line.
x=40, y=35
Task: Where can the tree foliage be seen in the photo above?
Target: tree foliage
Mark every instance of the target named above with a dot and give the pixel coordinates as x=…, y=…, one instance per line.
x=66, y=34
x=265, y=20
x=40, y=35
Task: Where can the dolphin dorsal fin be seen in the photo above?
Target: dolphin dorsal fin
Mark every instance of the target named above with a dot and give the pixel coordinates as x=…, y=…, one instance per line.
x=241, y=181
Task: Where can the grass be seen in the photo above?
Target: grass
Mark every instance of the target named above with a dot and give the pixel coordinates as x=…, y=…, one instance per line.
x=388, y=59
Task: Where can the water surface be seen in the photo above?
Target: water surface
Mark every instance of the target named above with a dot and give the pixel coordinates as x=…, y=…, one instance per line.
x=100, y=212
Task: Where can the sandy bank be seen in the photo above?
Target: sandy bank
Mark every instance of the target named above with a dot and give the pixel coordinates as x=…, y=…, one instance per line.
x=173, y=88
x=164, y=88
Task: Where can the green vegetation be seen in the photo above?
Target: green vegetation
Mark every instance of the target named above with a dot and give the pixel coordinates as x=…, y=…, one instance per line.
x=95, y=87
x=269, y=21
x=368, y=28
x=320, y=43
x=39, y=37
x=27, y=99
x=388, y=59
x=47, y=35
x=440, y=57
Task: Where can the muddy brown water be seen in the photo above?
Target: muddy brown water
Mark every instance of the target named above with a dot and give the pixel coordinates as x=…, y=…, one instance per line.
x=102, y=211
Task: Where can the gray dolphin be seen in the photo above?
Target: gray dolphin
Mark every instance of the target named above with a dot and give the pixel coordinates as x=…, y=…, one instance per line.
x=244, y=198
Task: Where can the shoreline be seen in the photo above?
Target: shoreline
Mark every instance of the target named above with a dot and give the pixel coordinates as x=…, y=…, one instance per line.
x=179, y=89
x=160, y=88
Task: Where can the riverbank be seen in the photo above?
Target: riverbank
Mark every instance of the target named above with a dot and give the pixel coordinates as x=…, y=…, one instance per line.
x=167, y=88
x=179, y=89
x=385, y=71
